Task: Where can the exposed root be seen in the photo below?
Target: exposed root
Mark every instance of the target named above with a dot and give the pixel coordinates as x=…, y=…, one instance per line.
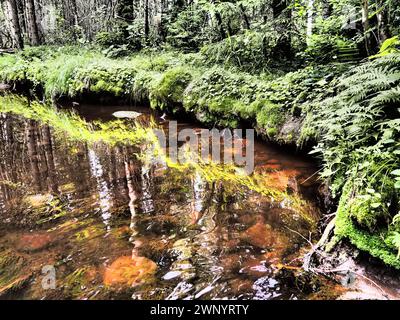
x=316, y=249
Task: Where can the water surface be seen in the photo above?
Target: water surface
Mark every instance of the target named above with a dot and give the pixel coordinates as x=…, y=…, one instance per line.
x=116, y=227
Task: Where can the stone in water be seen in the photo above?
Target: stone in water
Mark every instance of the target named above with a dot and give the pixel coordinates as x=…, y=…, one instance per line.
x=127, y=114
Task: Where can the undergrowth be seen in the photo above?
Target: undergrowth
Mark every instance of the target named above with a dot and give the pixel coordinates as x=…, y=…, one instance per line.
x=173, y=81
x=359, y=134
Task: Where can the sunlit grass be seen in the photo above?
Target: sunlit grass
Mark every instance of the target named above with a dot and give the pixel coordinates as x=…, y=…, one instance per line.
x=76, y=128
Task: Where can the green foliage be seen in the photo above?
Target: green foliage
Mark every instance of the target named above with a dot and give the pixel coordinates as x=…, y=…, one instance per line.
x=107, y=39
x=360, y=123
x=393, y=240
x=189, y=31
x=323, y=48
x=114, y=44
x=375, y=243
x=104, y=76
x=390, y=46
x=251, y=50
x=124, y=39
x=368, y=208
x=58, y=74
x=224, y=98
x=396, y=174
x=359, y=137
x=12, y=68
x=216, y=96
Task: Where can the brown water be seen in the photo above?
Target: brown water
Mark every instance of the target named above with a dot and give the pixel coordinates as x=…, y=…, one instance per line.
x=115, y=227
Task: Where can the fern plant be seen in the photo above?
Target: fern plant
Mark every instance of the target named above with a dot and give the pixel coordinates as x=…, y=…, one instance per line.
x=360, y=130
x=393, y=240
x=367, y=97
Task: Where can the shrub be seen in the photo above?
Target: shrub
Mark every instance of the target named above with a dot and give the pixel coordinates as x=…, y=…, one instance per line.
x=251, y=50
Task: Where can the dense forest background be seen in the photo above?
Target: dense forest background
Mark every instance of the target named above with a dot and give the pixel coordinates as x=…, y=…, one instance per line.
x=252, y=33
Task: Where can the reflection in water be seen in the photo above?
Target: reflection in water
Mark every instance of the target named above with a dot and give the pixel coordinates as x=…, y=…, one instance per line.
x=132, y=195
x=121, y=226
x=104, y=192
x=32, y=141
x=147, y=186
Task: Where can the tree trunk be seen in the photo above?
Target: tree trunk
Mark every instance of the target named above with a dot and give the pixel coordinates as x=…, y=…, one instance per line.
x=327, y=9
x=74, y=10
x=383, y=25
x=146, y=20
x=310, y=19
x=51, y=167
x=245, y=18
x=220, y=25
x=33, y=27
x=366, y=26
x=280, y=8
x=12, y=13
x=30, y=132
x=22, y=17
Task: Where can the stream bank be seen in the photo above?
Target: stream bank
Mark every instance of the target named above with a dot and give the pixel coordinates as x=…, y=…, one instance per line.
x=288, y=110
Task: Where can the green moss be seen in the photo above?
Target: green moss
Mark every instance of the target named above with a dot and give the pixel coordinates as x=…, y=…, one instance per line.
x=373, y=243
x=270, y=118
x=142, y=85
x=254, y=108
x=90, y=233
x=366, y=209
x=170, y=88
x=215, y=95
x=12, y=68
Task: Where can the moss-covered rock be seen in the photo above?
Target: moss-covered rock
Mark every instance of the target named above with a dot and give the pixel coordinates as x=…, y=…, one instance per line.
x=371, y=242
x=168, y=91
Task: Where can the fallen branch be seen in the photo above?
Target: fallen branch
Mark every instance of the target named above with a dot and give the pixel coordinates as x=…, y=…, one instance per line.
x=321, y=243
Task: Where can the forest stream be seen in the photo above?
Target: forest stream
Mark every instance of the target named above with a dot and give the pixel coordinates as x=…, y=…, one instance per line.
x=112, y=226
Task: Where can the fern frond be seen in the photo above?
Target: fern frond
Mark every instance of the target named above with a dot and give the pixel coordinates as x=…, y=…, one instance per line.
x=386, y=97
